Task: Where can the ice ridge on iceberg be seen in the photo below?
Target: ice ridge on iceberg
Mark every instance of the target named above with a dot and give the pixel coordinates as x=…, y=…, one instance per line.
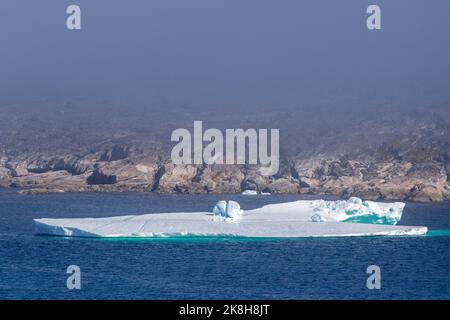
x=357, y=210
x=230, y=211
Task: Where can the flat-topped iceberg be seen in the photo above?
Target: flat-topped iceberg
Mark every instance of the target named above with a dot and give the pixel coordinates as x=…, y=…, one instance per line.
x=302, y=218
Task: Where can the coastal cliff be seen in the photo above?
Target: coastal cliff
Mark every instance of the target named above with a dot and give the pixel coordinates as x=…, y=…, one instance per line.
x=379, y=158
x=121, y=168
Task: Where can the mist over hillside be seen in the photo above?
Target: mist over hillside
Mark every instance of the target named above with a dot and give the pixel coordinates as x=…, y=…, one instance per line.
x=410, y=119
x=360, y=112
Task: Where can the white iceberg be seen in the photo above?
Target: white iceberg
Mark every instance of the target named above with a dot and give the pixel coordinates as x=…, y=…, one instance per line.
x=291, y=219
x=230, y=211
x=249, y=193
x=318, y=218
x=356, y=210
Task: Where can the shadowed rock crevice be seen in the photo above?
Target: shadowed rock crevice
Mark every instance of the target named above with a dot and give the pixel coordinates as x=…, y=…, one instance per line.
x=98, y=177
x=159, y=173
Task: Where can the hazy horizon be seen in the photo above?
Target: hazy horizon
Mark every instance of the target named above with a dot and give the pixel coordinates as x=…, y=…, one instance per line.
x=310, y=68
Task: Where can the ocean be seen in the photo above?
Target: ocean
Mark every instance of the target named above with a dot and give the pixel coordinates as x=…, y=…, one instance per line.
x=34, y=267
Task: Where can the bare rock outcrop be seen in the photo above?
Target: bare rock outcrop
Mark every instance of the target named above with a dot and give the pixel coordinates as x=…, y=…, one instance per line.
x=5, y=177
x=125, y=169
x=176, y=178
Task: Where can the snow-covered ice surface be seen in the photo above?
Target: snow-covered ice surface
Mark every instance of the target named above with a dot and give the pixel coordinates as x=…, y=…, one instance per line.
x=302, y=218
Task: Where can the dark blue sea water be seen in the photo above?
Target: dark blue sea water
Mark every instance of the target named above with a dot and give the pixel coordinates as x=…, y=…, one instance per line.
x=34, y=267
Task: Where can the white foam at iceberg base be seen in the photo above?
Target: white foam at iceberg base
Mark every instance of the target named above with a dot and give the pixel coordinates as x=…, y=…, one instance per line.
x=292, y=219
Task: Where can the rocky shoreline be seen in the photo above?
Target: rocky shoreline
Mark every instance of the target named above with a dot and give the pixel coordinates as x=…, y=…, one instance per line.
x=125, y=169
x=388, y=155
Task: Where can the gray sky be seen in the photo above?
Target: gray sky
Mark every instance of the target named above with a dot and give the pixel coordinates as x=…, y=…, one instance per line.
x=207, y=55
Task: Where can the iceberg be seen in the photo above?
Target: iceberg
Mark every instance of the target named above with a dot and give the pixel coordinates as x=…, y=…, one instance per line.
x=249, y=193
x=318, y=218
x=230, y=211
x=356, y=210
x=303, y=218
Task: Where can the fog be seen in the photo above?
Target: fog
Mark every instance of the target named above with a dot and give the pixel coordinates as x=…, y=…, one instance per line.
x=305, y=67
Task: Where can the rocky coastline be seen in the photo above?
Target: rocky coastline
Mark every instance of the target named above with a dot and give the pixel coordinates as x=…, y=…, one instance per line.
x=388, y=155
x=123, y=168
